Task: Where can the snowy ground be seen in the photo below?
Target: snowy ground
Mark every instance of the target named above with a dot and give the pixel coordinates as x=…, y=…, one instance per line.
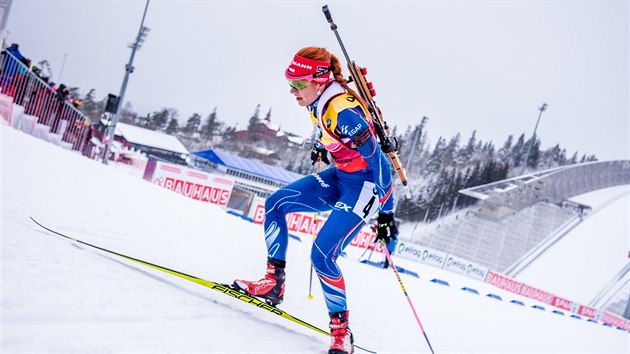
x=62, y=297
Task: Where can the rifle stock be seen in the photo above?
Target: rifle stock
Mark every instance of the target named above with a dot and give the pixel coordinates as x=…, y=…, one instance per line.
x=366, y=91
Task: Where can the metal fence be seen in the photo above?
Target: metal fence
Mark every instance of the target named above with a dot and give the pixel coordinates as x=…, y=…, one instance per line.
x=43, y=108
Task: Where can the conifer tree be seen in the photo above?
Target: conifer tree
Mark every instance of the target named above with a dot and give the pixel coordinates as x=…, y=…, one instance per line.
x=192, y=124
x=92, y=108
x=518, y=151
x=253, y=124
x=127, y=114
x=211, y=126
x=173, y=126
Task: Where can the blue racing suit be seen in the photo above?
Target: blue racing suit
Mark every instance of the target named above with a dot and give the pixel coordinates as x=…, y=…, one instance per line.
x=354, y=190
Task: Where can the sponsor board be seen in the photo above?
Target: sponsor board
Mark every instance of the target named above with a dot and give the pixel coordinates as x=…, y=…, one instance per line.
x=612, y=320
x=465, y=267
x=587, y=311
x=536, y=294
x=302, y=224
x=503, y=282
x=564, y=304
x=365, y=239
x=190, y=183
x=421, y=254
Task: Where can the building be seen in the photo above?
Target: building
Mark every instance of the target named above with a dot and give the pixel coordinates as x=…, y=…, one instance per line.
x=154, y=144
x=250, y=175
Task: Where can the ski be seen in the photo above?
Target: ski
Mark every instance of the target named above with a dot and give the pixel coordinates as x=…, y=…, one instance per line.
x=224, y=289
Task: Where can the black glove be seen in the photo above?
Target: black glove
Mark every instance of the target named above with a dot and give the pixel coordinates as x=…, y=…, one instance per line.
x=386, y=229
x=319, y=154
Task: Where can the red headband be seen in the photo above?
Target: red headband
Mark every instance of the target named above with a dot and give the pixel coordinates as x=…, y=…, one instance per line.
x=308, y=69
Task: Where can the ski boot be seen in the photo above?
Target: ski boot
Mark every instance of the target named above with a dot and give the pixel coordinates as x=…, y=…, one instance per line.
x=342, y=338
x=270, y=288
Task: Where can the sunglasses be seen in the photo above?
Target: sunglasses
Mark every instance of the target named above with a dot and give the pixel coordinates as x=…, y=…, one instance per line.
x=299, y=85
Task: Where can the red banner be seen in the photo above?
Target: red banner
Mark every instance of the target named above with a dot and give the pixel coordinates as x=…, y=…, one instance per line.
x=365, y=239
x=612, y=320
x=587, y=311
x=193, y=184
x=302, y=224
x=563, y=303
x=296, y=222
x=504, y=283
x=536, y=294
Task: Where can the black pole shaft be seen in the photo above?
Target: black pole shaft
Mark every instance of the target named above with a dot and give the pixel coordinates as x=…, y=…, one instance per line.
x=333, y=27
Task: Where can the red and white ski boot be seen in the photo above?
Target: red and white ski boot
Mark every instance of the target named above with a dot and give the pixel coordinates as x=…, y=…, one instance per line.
x=270, y=288
x=341, y=335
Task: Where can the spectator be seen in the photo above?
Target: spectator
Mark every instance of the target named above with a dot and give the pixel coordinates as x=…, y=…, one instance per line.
x=39, y=104
x=21, y=80
x=37, y=71
x=88, y=145
x=10, y=65
x=34, y=97
x=62, y=94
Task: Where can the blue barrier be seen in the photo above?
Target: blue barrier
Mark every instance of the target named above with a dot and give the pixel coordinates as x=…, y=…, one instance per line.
x=441, y=282
x=470, y=290
x=496, y=297
x=381, y=264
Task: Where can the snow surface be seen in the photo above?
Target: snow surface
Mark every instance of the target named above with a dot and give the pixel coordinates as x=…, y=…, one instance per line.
x=566, y=269
x=58, y=296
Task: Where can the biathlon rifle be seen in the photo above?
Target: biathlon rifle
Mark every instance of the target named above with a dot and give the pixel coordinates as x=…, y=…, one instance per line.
x=389, y=144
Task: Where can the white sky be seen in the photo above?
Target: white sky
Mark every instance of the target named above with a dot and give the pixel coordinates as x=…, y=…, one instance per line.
x=484, y=65
x=59, y=297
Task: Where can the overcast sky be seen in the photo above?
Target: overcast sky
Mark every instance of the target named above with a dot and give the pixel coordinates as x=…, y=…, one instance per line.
x=467, y=65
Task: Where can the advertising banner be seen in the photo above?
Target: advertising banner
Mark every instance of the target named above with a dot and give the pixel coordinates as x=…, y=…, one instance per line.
x=612, y=320
x=420, y=254
x=504, y=283
x=302, y=224
x=587, y=312
x=191, y=183
x=563, y=303
x=465, y=267
x=536, y=294
x=365, y=239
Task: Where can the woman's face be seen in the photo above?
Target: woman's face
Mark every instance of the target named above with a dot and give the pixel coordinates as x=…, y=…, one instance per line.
x=307, y=95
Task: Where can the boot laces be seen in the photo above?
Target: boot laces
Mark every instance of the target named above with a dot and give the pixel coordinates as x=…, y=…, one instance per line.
x=340, y=334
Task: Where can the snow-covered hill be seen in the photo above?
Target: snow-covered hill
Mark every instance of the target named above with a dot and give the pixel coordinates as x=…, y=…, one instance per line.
x=62, y=297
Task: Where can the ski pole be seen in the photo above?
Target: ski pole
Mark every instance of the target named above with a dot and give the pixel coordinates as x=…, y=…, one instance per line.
x=318, y=168
x=371, y=252
x=310, y=280
x=363, y=254
x=402, y=286
x=367, y=249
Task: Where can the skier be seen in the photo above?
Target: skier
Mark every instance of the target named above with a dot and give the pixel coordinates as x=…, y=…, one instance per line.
x=354, y=190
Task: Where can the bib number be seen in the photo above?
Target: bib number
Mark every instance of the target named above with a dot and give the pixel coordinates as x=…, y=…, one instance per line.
x=367, y=204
